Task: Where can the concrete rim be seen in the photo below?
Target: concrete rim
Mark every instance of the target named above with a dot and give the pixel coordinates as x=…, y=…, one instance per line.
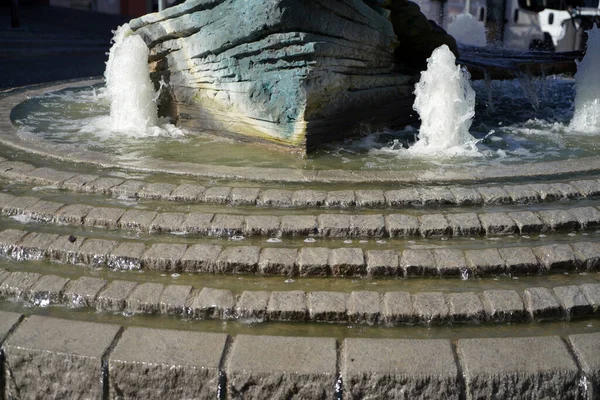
x=459, y=174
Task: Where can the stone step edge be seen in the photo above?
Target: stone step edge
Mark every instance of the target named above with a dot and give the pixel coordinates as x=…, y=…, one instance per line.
x=305, y=261
x=173, y=363
x=195, y=193
x=359, y=307
x=323, y=225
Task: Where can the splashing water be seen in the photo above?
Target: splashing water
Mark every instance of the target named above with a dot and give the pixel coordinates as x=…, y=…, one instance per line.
x=445, y=102
x=131, y=93
x=467, y=30
x=587, y=100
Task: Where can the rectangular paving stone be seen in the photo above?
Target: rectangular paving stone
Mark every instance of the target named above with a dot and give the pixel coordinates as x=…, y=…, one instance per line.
x=521, y=194
x=430, y=307
x=113, y=297
x=83, y=291
x=494, y=195
x=217, y=194
x=586, y=217
x=137, y=220
x=102, y=185
x=309, y=198
x=419, y=262
x=527, y=222
x=157, y=190
x=464, y=224
x=540, y=303
x=8, y=322
x=43, y=210
x=188, y=192
x=18, y=284
x=403, y=197
x=397, y=308
x=199, y=223
x=104, y=217
x=72, y=214
x=212, y=303
x=503, y=305
x=497, y=223
x=519, y=259
x=327, y=306
x=144, y=299
x=436, y=196
x=399, y=368
x=168, y=222
x=367, y=225
x=347, y=261
x=485, y=261
x=127, y=255
x=79, y=182
x=265, y=225
x=167, y=364
x=164, y=256
x=557, y=220
x=16, y=169
x=287, y=306
x=296, y=225
x=587, y=188
x=34, y=246
x=450, y=262
x=465, y=307
x=546, y=192
x=466, y=196
x=334, y=225
x=238, y=260
x=9, y=238
x=56, y=358
x=173, y=300
x=383, y=263
x=200, y=258
x=226, y=225
x=433, y=225
x=129, y=189
x=313, y=261
x=252, y=306
x=369, y=198
x=95, y=251
x=65, y=249
x=585, y=347
x=401, y=225
x=244, y=196
x=591, y=291
x=340, y=198
x=278, y=261
x=572, y=301
x=18, y=205
x=556, y=256
x=275, y=198
x=47, y=290
x=364, y=307
x=290, y=367
x=518, y=368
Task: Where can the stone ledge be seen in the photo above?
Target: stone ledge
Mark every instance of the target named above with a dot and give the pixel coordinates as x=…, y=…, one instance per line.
x=362, y=307
x=306, y=262
x=82, y=355
x=262, y=197
x=321, y=225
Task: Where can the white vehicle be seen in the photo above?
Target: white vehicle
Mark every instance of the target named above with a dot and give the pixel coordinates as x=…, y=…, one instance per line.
x=566, y=28
x=521, y=30
x=553, y=22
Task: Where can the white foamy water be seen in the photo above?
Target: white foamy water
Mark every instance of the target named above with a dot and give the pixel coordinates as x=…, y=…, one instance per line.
x=586, y=118
x=467, y=30
x=133, y=109
x=445, y=102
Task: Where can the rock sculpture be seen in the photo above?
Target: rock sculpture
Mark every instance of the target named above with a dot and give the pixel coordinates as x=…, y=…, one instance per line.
x=293, y=72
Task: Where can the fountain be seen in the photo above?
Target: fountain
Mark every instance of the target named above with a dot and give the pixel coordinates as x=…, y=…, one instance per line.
x=455, y=259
